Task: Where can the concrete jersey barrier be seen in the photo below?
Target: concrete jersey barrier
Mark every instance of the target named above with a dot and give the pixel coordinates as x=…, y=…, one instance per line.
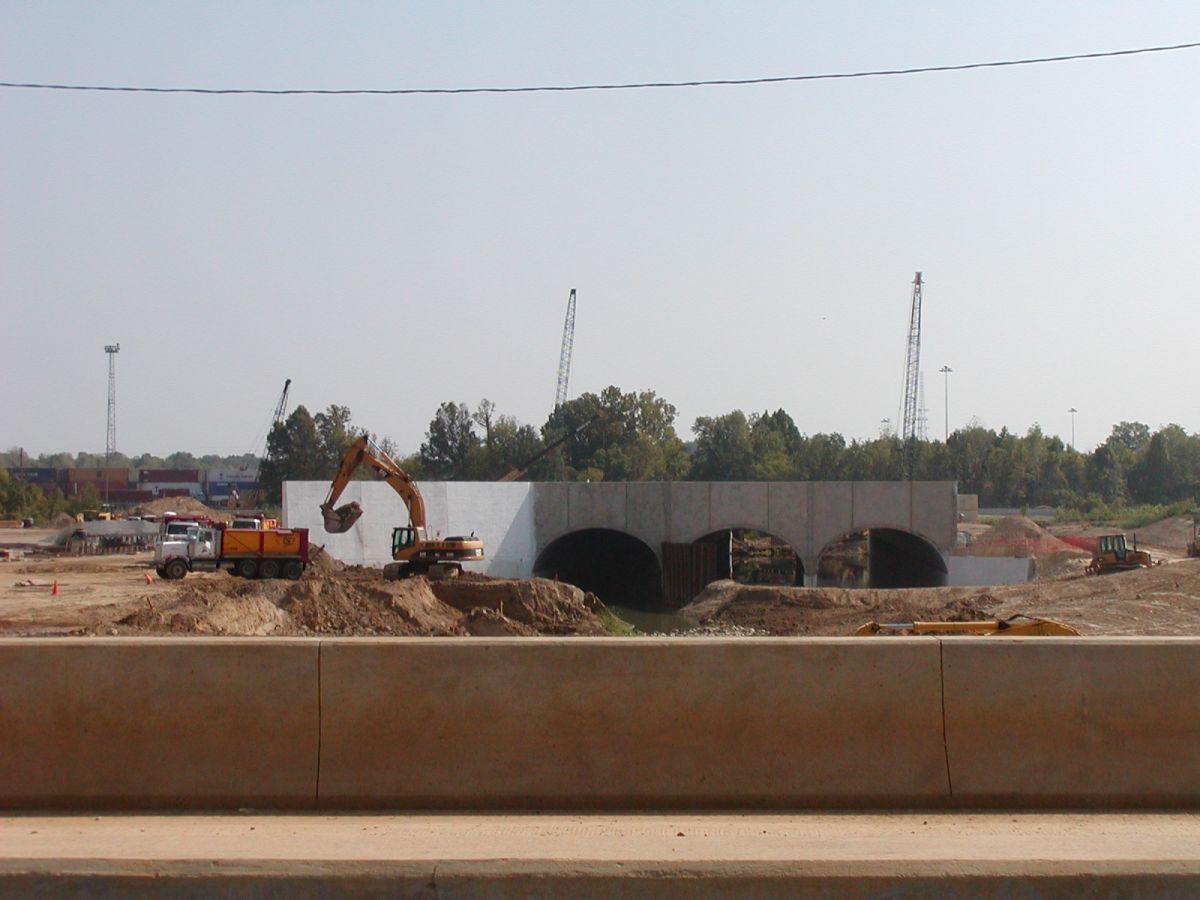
x=187, y=723
x=630, y=723
x=158, y=723
x=1073, y=721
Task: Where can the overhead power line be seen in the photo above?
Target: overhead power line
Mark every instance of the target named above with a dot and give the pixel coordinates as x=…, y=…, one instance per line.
x=530, y=89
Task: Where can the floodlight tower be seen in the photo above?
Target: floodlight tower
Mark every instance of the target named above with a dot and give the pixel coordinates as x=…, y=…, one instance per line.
x=564, y=358
x=110, y=443
x=912, y=366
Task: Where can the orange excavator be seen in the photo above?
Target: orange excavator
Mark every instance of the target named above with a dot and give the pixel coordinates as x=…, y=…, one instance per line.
x=414, y=553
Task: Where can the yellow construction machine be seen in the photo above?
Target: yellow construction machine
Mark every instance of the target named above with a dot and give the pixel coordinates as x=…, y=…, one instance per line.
x=1112, y=555
x=1014, y=626
x=414, y=553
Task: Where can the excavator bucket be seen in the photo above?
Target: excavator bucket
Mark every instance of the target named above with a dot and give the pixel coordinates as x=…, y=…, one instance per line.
x=343, y=518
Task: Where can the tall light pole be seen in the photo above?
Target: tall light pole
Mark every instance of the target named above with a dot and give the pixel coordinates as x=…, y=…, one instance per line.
x=110, y=442
x=946, y=370
x=1072, y=411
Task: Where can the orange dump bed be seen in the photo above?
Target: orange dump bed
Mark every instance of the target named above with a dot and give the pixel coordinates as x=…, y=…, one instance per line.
x=271, y=542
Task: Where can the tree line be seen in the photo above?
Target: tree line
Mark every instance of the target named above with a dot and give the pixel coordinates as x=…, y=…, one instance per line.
x=631, y=436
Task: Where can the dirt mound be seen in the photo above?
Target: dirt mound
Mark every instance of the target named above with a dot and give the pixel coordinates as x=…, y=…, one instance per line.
x=541, y=605
x=321, y=563
x=186, y=506
x=202, y=609
x=368, y=606
x=824, y=611
x=1019, y=536
x=61, y=520
x=1162, y=600
x=1173, y=533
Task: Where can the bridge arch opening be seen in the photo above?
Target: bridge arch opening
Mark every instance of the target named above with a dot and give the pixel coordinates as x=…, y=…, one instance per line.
x=881, y=558
x=615, y=566
x=751, y=556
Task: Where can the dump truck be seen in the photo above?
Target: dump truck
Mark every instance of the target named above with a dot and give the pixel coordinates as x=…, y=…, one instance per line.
x=246, y=552
x=414, y=552
x=1112, y=555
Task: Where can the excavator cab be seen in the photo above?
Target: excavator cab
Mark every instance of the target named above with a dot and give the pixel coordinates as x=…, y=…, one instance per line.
x=402, y=539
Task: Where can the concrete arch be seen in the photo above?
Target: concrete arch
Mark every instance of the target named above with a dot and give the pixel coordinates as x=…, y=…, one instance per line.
x=896, y=557
x=796, y=550
x=613, y=564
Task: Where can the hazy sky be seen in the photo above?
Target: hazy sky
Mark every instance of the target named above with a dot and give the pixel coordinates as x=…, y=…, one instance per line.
x=732, y=247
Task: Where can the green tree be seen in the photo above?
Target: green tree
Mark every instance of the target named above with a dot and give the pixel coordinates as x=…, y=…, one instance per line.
x=634, y=439
x=1169, y=470
x=334, y=436
x=450, y=443
x=19, y=499
x=723, y=450
x=293, y=453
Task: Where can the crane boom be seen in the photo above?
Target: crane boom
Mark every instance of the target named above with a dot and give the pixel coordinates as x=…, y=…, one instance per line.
x=564, y=357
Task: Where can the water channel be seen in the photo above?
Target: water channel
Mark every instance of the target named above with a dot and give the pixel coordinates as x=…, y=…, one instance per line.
x=647, y=621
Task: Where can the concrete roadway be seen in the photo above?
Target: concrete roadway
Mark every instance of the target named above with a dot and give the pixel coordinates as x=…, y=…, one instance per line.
x=842, y=854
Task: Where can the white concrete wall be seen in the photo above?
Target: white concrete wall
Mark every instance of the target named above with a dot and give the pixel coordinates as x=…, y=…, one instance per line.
x=500, y=514
x=984, y=571
x=516, y=520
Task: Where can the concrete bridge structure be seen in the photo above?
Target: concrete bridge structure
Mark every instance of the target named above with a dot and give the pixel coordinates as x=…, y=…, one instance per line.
x=557, y=527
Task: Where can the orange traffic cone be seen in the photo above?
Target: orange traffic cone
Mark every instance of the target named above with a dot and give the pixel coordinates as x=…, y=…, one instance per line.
x=54, y=588
x=148, y=579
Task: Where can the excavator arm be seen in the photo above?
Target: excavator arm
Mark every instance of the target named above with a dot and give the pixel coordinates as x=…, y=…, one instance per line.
x=364, y=451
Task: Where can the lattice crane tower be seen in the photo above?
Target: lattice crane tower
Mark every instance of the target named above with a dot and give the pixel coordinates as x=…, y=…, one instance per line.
x=912, y=367
x=110, y=443
x=564, y=358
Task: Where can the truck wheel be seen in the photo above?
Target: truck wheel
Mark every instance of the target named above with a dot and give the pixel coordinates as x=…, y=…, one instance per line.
x=268, y=568
x=175, y=569
x=247, y=568
x=161, y=570
x=293, y=569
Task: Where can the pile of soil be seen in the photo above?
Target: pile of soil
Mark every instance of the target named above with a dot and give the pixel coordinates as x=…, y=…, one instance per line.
x=1163, y=600
x=1019, y=536
x=332, y=599
x=206, y=607
x=186, y=506
x=1173, y=533
x=826, y=610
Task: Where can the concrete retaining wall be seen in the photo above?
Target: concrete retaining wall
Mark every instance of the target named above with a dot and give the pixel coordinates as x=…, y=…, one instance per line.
x=501, y=514
x=977, y=571
x=519, y=520
x=633, y=723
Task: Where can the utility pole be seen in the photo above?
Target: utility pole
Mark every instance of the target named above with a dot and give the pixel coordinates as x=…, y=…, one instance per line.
x=564, y=357
x=1072, y=411
x=946, y=370
x=110, y=443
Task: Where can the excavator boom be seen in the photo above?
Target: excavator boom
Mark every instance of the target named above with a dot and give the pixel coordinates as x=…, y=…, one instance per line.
x=364, y=451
